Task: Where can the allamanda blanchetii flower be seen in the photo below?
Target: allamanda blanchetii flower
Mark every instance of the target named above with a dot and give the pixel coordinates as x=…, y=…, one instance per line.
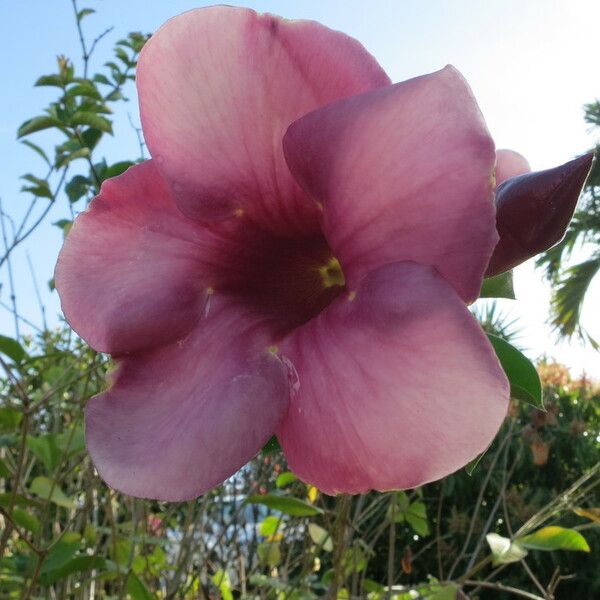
x=296, y=258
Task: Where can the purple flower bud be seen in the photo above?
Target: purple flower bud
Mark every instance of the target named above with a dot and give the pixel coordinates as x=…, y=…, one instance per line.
x=534, y=211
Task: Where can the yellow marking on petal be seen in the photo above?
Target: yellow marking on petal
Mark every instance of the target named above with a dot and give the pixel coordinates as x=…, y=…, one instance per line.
x=493, y=179
x=319, y=205
x=273, y=349
x=312, y=494
x=332, y=274
x=210, y=290
x=238, y=212
x=351, y=296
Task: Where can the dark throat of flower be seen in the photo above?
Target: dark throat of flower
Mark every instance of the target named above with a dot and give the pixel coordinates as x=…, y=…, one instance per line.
x=289, y=279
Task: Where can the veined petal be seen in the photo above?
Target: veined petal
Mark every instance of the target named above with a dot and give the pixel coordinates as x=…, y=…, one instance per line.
x=181, y=419
x=397, y=386
x=510, y=164
x=131, y=273
x=403, y=173
x=218, y=88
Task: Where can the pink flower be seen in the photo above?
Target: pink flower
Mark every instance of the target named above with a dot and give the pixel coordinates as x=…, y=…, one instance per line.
x=296, y=258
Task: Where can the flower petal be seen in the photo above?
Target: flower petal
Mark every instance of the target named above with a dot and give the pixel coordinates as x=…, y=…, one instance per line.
x=397, y=386
x=404, y=173
x=218, y=88
x=130, y=273
x=181, y=419
x=510, y=164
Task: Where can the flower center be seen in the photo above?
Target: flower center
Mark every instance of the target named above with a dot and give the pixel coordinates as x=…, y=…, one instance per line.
x=289, y=279
x=332, y=274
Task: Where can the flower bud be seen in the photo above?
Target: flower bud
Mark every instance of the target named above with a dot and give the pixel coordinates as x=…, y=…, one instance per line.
x=533, y=211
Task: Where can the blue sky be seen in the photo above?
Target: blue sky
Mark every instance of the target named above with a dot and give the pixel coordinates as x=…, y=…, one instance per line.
x=532, y=65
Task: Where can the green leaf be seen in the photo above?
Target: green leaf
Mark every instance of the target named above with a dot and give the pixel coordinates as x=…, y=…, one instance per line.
x=67, y=158
x=84, y=12
x=70, y=442
x=87, y=90
x=91, y=119
x=270, y=526
x=12, y=349
x=272, y=446
x=4, y=470
x=91, y=137
x=117, y=169
x=38, y=124
x=499, y=286
x=269, y=553
x=64, y=224
x=62, y=551
x=555, y=538
x=503, y=550
x=77, y=187
x=320, y=537
x=286, y=504
x=43, y=487
x=26, y=520
x=99, y=78
x=448, y=592
x=416, y=517
x=524, y=380
x=137, y=589
x=9, y=418
x=77, y=564
x=37, y=149
x=285, y=478
x=222, y=581
x=44, y=448
x=50, y=80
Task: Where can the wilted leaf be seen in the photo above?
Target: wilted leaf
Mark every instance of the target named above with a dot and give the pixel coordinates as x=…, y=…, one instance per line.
x=593, y=514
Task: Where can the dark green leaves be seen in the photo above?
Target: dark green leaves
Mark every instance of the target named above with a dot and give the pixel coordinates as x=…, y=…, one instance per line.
x=413, y=513
x=272, y=446
x=286, y=504
x=11, y=348
x=77, y=187
x=524, y=379
x=499, y=286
